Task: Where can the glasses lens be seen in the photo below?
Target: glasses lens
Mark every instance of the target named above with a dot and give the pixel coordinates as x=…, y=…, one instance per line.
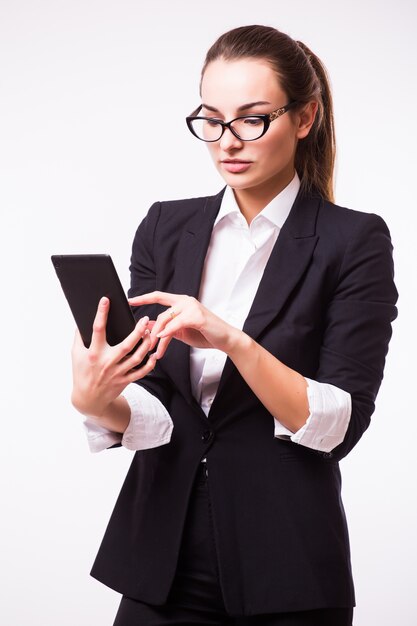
x=207, y=130
x=249, y=128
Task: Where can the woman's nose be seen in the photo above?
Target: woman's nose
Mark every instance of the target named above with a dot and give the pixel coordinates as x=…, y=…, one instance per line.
x=229, y=141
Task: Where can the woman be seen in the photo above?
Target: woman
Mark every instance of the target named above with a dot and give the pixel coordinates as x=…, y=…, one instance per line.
x=268, y=310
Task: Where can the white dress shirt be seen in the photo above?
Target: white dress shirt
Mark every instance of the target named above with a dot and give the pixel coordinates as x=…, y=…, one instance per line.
x=234, y=265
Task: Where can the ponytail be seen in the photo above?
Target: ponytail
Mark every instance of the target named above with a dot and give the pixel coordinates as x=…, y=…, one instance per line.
x=316, y=153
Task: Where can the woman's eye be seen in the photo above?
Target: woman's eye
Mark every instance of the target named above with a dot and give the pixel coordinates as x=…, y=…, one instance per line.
x=211, y=121
x=253, y=121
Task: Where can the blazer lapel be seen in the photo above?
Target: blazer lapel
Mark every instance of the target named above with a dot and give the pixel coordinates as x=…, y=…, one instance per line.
x=288, y=262
x=192, y=247
x=192, y=250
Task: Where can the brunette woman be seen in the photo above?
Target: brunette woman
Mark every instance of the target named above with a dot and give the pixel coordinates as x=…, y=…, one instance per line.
x=268, y=309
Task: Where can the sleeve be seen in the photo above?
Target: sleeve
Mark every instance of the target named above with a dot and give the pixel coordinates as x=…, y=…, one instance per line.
x=150, y=424
x=144, y=279
x=100, y=438
x=154, y=390
x=357, y=327
x=326, y=426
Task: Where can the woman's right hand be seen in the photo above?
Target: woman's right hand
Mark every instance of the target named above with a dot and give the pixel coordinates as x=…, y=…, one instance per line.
x=101, y=372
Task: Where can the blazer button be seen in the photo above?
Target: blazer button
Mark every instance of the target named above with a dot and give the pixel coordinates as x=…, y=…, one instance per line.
x=327, y=455
x=207, y=435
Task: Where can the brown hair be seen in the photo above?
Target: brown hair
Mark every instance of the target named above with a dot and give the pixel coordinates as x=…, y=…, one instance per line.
x=304, y=78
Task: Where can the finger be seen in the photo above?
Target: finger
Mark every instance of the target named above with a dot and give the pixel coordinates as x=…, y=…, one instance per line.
x=140, y=372
x=129, y=343
x=155, y=297
x=163, y=322
x=162, y=347
x=98, y=339
x=173, y=326
x=133, y=360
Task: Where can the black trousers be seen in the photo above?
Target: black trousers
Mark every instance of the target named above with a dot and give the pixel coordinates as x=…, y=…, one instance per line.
x=196, y=597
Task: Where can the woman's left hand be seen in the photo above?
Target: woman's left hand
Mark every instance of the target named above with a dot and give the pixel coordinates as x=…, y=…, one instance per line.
x=187, y=320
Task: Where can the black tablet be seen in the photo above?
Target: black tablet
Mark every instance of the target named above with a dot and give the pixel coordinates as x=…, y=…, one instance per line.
x=85, y=279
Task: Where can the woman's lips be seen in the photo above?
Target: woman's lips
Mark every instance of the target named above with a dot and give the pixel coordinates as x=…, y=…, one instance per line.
x=235, y=165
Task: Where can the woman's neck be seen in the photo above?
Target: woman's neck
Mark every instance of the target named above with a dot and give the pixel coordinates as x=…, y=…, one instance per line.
x=251, y=201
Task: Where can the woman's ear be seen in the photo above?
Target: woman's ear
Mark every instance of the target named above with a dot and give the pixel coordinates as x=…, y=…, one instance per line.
x=306, y=117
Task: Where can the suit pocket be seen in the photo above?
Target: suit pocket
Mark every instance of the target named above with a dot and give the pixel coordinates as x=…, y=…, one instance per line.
x=305, y=456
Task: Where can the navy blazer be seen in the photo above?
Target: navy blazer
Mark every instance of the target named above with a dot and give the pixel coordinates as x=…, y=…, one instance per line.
x=324, y=307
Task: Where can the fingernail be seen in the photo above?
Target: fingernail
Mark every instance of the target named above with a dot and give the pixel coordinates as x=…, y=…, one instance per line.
x=104, y=301
x=144, y=320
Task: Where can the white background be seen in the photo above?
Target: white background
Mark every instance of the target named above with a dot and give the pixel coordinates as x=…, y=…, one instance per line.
x=93, y=99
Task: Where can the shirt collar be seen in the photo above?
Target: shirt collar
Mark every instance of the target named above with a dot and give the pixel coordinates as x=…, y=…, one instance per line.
x=276, y=211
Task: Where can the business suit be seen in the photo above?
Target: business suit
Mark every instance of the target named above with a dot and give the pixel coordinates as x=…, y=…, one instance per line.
x=324, y=307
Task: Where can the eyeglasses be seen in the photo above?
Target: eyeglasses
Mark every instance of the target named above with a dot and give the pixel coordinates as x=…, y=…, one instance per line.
x=244, y=127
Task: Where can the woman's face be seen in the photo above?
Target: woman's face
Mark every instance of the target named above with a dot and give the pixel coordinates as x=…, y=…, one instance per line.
x=266, y=164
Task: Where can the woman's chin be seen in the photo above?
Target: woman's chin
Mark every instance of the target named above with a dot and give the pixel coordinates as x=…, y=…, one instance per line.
x=238, y=180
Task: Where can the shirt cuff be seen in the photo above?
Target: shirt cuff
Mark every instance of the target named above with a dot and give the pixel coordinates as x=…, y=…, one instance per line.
x=150, y=423
x=330, y=410
x=100, y=438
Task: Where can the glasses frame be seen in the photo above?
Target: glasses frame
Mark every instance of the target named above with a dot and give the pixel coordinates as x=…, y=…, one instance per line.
x=267, y=118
